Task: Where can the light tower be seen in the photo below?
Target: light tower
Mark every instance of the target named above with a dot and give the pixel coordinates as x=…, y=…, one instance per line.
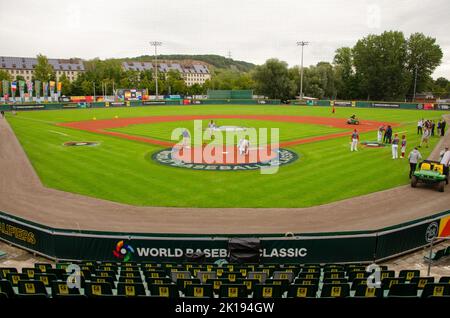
x=302, y=44
x=156, y=44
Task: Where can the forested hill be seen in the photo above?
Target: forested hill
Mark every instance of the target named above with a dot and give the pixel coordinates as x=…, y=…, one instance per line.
x=212, y=59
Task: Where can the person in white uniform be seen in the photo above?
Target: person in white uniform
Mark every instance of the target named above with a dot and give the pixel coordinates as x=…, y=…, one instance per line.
x=395, y=143
x=355, y=139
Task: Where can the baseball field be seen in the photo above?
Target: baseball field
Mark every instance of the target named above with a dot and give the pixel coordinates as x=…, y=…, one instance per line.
x=120, y=167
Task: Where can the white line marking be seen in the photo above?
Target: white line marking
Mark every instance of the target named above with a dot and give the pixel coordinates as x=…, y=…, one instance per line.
x=57, y=132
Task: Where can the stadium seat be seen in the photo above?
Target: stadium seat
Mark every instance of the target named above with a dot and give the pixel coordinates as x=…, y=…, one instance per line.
x=164, y=290
x=6, y=288
x=14, y=278
x=289, y=276
x=231, y=276
x=179, y=275
x=267, y=291
x=435, y=256
x=4, y=271
x=130, y=290
x=233, y=291
x=335, y=281
x=358, y=281
x=183, y=283
x=155, y=274
x=93, y=289
x=73, y=279
x=388, y=282
x=403, y=290
x=45, y=278
x=32, y=288
x=205, y=275
x=30, y=271
x=335, y=291
x=106, y=279
x=365, y=291
x=217, y=282
x=58, y=272
x=261, y=276
x=303, y=281
x=43, y=267
x=130, y=280
x=158, y=281
x=283, y=283
x=334, y=275
x=387, y=274
x=199, y=291
x=302, y=291
x=61, y=289
x=357, y=274
x=422, y=281
x=444, y=279
x=409, y=274
x=130, y=274
x=436, y=290
x=302, y=275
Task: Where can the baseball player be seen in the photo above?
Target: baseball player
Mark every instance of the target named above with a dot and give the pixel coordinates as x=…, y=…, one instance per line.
x=380, y=133
x=403, y=146
x=355, y=139
x=395, y=143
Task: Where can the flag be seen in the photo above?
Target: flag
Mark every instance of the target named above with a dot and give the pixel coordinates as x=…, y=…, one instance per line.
x=52, y=87
x=37, y=85
x=21, y=88
x=45, y=89
x=5, y=85
x=13, y=89
x=59, y=88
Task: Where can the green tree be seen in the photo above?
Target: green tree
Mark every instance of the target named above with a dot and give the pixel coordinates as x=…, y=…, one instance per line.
x=66, y=86
x=346, y=84
x=44, y=71
x=380, y=63
x=424, y=55
x=4, y=75
x=272, y=80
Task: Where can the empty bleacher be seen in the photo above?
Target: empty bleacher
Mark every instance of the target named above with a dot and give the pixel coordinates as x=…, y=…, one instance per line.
x=191, y=280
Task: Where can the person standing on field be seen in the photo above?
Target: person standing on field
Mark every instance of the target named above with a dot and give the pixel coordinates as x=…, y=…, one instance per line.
x=443, y=124
x=425, y=137
x=355, y=139
x=419, y=127
x=403, y=146
x=445, y=161
x=414, y=157
x=380, y=133
x=395, y=143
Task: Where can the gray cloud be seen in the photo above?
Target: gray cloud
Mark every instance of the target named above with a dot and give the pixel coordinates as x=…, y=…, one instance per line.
x=252, y=30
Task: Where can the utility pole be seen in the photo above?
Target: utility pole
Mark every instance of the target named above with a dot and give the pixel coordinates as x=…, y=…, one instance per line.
x=415, y=85
x=302, y=44
x=156, y=44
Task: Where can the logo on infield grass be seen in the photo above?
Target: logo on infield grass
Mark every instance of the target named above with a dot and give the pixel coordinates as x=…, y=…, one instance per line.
x=123, y=251
x=226, y=148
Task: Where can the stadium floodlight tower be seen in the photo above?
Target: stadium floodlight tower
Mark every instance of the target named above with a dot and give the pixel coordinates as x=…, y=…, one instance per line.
x=302, y=44
x=156, y=44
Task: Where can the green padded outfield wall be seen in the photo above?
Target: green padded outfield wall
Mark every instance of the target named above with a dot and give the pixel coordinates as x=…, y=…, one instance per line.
x=342, y=247
x=229, y=94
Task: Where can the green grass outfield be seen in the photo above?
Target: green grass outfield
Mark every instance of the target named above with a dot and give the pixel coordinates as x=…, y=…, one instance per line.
x=119, y=169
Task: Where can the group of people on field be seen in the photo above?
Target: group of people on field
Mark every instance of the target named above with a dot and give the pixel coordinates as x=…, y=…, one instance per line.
x=428, y=127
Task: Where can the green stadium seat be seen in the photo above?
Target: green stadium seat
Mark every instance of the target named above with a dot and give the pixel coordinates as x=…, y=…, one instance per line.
x=233, y=291
x=14, y=278
x=183, y=283
x=30, y=271
x=283, y=283
x=126, y=269
x=335, y=281
x=6, y=288
x=164, y=290
x=58, y=272
x=232, y=276
x=102, y=273
x=388, y=282
x=444, y=279
x=422, y=281
x=199, y=291
x=365, y=291
x=292, y=269
x=403, y=290
x=130, y=290
x=333, y=275
x=112, y=270
x=409, y=273
x=158, y=281
x=32, y=288
x=357, y=274
x=45, y=278
x=130, y=280
x=205, y=275
x=61, y=289
x=43, y=267
x=302, y=275
x=304, y=281
x=93, y=289
x=302, y=291
x=436, y=290
x=4, y=271
x=335, y=291
x=267, y=291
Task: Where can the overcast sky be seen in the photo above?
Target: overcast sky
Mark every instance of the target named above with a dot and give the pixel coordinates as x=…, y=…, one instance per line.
x=252, y=30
